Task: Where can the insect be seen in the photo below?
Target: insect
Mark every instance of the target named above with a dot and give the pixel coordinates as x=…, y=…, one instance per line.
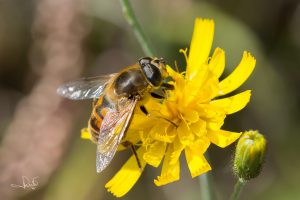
x=115, y=99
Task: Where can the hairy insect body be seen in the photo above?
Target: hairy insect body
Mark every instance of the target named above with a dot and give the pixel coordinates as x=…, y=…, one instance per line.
x=99, y=111
x=115, y=98
x=128, y=83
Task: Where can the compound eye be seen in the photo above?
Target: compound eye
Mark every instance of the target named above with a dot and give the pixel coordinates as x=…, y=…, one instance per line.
x=145, y=60
x=152, y=73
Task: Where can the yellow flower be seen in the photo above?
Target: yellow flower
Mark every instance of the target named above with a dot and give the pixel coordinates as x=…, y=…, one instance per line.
x=191, y=116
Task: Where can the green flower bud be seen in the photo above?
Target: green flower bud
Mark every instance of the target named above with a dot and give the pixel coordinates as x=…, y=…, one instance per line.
x=249, y=155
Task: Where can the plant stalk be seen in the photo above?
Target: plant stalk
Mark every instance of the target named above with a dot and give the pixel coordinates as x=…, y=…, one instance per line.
x=136, y=27
x=205, y=186
x=238, y=189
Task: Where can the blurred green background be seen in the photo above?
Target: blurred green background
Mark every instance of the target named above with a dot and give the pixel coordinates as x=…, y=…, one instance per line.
x=45, y=43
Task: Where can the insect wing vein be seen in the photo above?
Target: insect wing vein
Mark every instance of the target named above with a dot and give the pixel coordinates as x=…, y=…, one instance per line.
x=111, y=133
x=85, y=88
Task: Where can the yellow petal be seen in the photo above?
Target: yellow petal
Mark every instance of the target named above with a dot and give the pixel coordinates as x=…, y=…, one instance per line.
x=177, y=149
x=196, y=162
x=169, y=172
x=200, y=45
x=199, y=77
x=85, y=134
x=234, y=103
x=169, y=109
x=216, y=123
x=195, y=83
x=217, y=62
x=208, y=111
x=190, y=115
x=239, y=75
x=145, y=138
x=132, y=137
x=185, y=134
x=139, y=121
x=155, y=153
x=175, y=75
x=209, y=89
x=223, y=138
x=162, y=131
x=127, y=176
x=153, y=105
x=200, y=145
x=199, y=128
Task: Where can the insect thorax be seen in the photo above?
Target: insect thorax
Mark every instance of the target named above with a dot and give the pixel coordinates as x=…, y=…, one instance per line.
x=130, y=83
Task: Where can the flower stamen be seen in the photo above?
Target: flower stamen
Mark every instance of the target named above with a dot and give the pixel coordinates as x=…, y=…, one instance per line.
x=184, y=52
x=176, y=66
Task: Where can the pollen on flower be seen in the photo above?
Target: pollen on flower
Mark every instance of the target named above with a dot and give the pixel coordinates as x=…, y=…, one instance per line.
x=191, y=116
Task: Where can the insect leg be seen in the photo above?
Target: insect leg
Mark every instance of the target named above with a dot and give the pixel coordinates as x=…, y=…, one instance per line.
x=157, y=96
x=163, y=88
x=167, y=86
x=136, y=156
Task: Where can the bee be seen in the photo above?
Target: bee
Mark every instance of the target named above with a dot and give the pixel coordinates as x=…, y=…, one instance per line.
x=115, y=98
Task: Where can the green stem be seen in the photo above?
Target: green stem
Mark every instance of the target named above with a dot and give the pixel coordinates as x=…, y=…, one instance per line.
x=133, y=22
x=238, y=189
x=205, y=186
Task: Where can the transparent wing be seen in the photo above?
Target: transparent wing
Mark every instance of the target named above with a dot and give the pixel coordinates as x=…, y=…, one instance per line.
x=112, y=130
x=85, y=88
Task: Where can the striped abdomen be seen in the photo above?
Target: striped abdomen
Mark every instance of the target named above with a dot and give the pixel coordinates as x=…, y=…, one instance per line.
x=99, y=111
x=128, y=83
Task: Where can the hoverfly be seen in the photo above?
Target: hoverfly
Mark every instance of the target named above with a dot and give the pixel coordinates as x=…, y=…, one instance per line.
x=115, y=98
